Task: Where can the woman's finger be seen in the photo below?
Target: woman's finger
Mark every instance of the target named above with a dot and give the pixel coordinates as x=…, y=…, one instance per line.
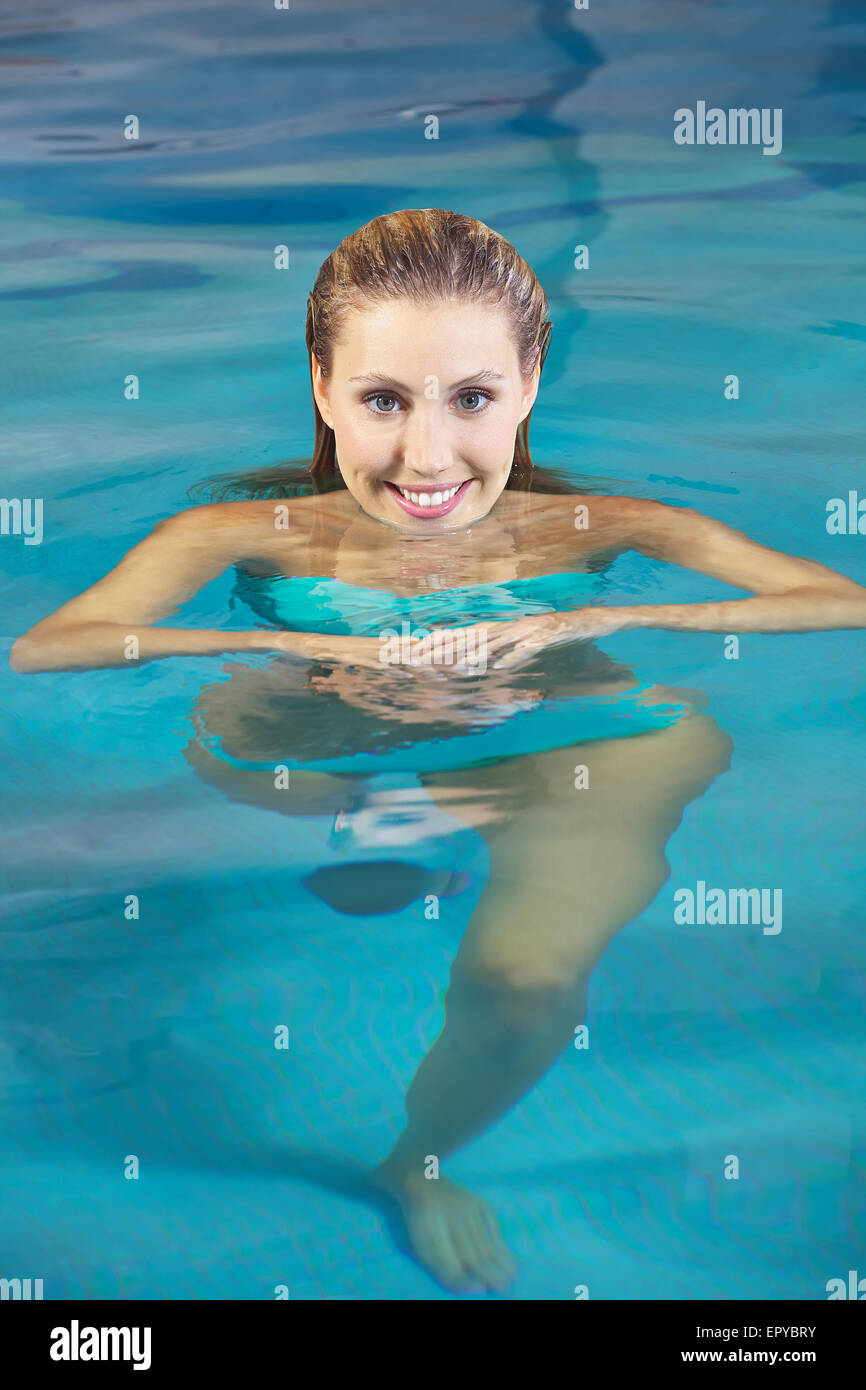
x=520, y=653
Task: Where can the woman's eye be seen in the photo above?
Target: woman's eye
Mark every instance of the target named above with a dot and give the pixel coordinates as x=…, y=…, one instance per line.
x=472, y=402
x=475, y=396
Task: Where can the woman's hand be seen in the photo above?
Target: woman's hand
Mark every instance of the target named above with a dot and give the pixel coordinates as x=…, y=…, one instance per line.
x=367, y=653
x=512, y=643
x=496, y=645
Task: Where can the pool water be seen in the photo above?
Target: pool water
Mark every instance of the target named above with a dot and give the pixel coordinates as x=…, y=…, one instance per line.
x=154, y=1037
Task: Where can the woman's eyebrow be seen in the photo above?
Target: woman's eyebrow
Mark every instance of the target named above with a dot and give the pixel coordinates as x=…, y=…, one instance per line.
x=380, y=379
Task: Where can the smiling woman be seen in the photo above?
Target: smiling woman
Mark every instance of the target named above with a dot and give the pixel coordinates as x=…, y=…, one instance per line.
x=440, y=429
x=426, y=334
x=436, y=442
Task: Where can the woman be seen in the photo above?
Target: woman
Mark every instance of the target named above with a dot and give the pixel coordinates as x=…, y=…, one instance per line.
x=426, y=334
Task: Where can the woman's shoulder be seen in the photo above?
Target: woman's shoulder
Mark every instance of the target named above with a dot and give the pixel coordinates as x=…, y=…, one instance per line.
x=615, y=518
x=613, y=504
x=608, y=505
x=266, y=530
x=277, y=513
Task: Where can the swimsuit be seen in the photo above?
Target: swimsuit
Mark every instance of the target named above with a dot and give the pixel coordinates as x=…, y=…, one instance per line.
x=326, y=605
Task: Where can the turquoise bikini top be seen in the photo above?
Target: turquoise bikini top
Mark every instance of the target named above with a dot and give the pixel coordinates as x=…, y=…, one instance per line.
x=316, y=604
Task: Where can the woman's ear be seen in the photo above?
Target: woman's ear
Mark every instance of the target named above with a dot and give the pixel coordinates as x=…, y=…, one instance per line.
x=320, y=391
x=530, y=392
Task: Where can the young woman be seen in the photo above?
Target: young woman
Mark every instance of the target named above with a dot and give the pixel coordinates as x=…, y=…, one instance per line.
x=426, y=334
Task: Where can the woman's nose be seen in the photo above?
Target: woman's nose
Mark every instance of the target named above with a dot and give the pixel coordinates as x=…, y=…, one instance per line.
x=427, y=448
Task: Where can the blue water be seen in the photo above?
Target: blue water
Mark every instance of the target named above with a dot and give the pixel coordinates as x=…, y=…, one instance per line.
x=154, y=1037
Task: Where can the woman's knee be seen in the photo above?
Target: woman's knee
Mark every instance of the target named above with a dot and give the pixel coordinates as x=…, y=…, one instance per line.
x=712, y=746
x=697, y=735
x=299, y=793
x=522, y=987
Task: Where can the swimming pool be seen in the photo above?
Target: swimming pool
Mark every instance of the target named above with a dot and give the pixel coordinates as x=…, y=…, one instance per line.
x=154, y=1037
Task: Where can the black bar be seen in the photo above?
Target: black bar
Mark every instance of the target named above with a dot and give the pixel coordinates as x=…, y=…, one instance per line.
x=226, y=1338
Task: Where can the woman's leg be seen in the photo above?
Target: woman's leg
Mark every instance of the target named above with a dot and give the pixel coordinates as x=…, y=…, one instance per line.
x=359, y=888
x=568, y=869
x=566, y=873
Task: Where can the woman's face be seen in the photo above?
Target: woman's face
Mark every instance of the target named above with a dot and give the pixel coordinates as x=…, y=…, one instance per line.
x=424, y=402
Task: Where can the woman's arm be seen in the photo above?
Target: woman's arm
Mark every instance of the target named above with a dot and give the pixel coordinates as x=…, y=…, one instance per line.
x=153, y=580
x=791, y=594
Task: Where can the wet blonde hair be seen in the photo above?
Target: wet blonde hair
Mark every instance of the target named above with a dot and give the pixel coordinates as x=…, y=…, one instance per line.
x=426, y=255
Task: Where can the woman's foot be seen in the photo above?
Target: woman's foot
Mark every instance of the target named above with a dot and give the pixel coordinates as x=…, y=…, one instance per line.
x=454, y=1234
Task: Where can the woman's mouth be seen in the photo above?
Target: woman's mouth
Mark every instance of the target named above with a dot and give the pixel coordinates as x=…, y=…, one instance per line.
x=429, y=501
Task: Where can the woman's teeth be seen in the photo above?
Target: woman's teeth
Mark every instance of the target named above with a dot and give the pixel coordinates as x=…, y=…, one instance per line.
x=429, y=499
